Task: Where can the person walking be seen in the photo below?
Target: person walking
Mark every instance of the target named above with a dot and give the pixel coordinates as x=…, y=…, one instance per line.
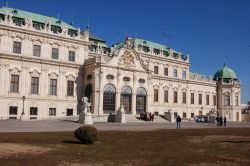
x=178, y=122
x=225, y=121
x=221, y=121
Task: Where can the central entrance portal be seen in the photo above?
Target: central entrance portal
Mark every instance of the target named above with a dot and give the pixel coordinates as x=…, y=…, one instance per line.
x=141, y=97
x=126, y=98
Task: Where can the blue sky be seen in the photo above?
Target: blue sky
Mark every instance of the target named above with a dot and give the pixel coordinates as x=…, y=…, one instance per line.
x=211, y=31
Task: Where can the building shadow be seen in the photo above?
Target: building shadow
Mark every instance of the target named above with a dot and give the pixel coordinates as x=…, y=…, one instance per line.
x=71, y=142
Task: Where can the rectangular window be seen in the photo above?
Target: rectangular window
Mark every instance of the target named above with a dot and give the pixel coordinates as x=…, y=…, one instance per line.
x=14, y=83
x=175, y=73
x=227, y=100
x=34, y=85
x=175, y=97
x=155, y=69
x=200, y=99
x=236, y=100
x=184, y=74
x=156, y=95
x=166, y=96
x=156, y=51
x=36, y=50
x=192, y=98
x=184, y=115
x=145, y=49
x=17, y=47
x=72, y=56
x=53, y=87
x=207, y=99
x=52, y=111
x=70, y=88
x=165, y=71
x=184, y=97
x=69, y=112
x=55, y=52
x=12, y=110
x=192, y=115
x=214, y=99
x=33, y=110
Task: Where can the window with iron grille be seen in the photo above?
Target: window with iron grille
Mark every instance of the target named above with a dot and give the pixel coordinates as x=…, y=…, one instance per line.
x=33, y=110
x=192, y=98
x=14, y=83
x=55, y=53
x=17, y=47
x=70, y=88
x=200, y=99
x=12, y=110
x=52, y=111
x=207, y=99
x=36, y=50
x=72, y=56
x=34, y=85
x=53, y=87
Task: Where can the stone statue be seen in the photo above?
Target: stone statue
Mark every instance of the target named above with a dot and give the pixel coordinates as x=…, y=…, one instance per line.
x=85, y=115
x=120, y=115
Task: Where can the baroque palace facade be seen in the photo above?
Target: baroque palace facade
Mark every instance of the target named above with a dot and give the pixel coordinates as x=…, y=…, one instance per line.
x=47, y=66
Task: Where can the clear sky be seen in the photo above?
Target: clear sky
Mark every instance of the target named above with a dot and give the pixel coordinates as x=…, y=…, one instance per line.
x=211, y=31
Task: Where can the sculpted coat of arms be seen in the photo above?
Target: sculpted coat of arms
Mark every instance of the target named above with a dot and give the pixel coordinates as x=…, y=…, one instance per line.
x=127, y=59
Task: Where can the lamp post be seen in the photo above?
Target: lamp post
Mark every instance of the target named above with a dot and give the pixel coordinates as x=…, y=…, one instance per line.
x=22, y=114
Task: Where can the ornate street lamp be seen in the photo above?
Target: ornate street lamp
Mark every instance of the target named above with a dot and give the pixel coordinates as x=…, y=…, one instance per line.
x=22, y=114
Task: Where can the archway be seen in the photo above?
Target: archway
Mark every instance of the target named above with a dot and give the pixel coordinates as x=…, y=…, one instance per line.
x=88, y=92
x=109, y=99
x=126, y=98
x=141, y=100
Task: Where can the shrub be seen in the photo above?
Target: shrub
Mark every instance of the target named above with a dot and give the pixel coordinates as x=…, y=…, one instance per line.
x=86, y=134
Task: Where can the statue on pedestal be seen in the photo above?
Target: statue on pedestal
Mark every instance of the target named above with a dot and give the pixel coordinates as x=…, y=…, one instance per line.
x=85, y=116
x=120, y=115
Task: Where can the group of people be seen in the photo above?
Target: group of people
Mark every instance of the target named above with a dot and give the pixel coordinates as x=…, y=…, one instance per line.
x=220, y=120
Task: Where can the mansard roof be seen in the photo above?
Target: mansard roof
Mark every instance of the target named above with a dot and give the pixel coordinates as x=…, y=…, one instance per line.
x=35, y=17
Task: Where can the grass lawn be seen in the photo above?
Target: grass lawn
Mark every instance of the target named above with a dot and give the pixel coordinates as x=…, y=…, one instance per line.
x=223, y=146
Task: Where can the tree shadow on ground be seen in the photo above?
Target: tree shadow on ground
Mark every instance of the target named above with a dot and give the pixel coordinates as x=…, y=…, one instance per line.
x=71, y=142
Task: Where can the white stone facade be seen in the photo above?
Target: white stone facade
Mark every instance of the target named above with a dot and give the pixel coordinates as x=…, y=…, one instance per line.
x=126, y=76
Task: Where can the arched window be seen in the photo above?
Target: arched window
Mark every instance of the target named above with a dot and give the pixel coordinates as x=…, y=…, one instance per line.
x=109, y=99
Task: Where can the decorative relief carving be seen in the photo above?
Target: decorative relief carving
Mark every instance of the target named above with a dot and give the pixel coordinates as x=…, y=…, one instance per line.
x=53, y=75
x=127, y=59
x=34, y=73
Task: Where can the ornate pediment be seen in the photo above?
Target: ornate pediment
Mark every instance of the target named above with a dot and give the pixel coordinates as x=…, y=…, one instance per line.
x=127, y=59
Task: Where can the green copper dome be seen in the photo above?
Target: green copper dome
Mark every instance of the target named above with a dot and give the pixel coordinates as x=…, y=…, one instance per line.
x=225, y=73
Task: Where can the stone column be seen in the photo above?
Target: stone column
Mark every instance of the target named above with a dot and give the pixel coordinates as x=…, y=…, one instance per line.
x=6, y=79
x=118, y=93
x=149, y=97
x=100, y=75
x=134, y=96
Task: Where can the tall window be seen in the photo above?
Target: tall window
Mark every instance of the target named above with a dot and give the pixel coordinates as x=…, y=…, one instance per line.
x=156, y=95
x=184, y=97
x=192, y=98
x=14, y=83
x=227, y=100
x=12, y=110
x=184, y=74
x=165, y=71
x=236, y=100
x=175, y=97
x=34, y=85
x=214, y=99
x=52, y=111
x=53, y=87
x=200, y=99
x=72, y=56
x=166, y=96
x=55, y=52
x=175, y=73
x=36, y=50
x=17, y=47
x=207, y=99
x=33, y=110
x=155, y=69
x=70, y=88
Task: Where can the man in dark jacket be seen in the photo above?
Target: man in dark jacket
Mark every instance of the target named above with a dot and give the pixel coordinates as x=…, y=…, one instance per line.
x=178, y=122
x=225, y=121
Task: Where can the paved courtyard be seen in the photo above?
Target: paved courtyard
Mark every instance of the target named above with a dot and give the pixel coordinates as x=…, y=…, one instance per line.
x=72, y=124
